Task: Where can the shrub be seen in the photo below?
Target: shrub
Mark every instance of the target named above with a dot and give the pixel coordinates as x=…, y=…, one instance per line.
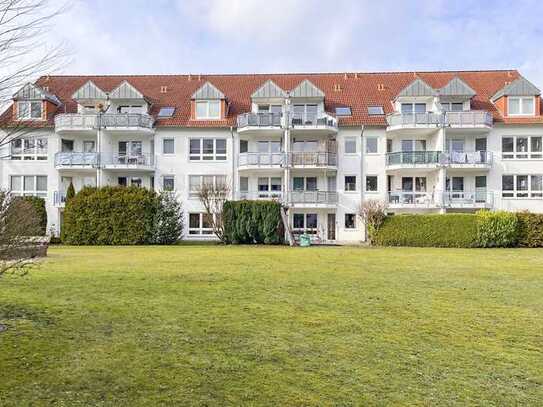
x=39, y=208
x=111, y=216
x=435, y=230
x=373, y=213
x=169, y=220
x=252, y=222
x=496, y=229
x=70, y=192
x=530, y=229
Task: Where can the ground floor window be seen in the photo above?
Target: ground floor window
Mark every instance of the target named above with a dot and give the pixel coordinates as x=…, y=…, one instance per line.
x=200, y=224
x=522, y=186
x=29, y=185
x=168, y=183
x=350, y=221
x=305, y=223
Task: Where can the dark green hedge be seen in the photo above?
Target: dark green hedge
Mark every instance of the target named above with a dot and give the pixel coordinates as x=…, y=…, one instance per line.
x=39, y=206
x=530, y=229
x=435, y=230
x=110, y=216
x=497, y=229
x=247, y=222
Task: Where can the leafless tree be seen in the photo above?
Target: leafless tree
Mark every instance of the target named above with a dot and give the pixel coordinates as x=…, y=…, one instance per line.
x=19, y=224
x=373, y=212
x=25, y=54
x=213, y=196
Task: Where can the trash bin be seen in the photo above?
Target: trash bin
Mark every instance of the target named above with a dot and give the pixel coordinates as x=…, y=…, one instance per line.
x=305, y=240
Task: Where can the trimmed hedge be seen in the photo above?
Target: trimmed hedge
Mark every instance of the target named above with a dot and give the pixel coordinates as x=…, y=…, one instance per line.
x=39, y=206
x=530, y=229
x=247, y=222
x=434, y=230
x=111, y=216
x=497, y=229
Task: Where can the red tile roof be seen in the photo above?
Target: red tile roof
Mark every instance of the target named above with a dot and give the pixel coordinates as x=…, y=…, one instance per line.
x=358, y=91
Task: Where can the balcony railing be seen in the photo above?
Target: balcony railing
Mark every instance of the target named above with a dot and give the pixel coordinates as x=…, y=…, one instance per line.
x=312, y=120
x=426, y=119
x=261, y=159
x=313, y=159
x=312, y=197
x=126, y=160
x=67, y=121
x=466, y=199
x=261, y=195
x=470, y=118
x=469, y=158
x=74, y=159
x=412, y=199
x=413, y=158
x=259, y=120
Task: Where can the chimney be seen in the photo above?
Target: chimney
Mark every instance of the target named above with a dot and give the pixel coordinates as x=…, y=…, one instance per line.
x=163, y=89
x=345, y=76
x=380, y=87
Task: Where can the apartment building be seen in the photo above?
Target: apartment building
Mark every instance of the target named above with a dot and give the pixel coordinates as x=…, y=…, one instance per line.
x=424, y=142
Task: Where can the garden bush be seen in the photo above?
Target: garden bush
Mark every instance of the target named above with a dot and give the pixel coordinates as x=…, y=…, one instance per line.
x=39, y=207
x=435, y=230
x=530, y=229
x=247, y=222
x=120, y=216
x=497, y=229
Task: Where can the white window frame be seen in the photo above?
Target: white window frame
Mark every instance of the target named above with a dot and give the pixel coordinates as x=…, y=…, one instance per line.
x=522, y=155
x=516, y=193
x=345, y=183
x=193, y=192
x=376, y=138
x=350, y=140
x=26, y=153
x=164, y=177
x=270, y=193
x=172, y=139
x=208, y=157
x=207, y=104
x=371, y=191
x=28, y=115
x=305, y=229
x=30, y=192
x=345, y=221
x=200, y=230
x=521, y=105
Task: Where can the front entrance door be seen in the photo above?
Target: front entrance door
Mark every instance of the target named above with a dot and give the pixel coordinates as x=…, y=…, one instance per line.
x=331, y=235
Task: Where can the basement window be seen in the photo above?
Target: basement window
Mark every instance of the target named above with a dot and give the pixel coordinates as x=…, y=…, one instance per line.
x=375, y=110
x=343, y=111
x=166, y=111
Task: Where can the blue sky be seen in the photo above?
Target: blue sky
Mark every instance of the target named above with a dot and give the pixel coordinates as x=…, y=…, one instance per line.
x=240, y=36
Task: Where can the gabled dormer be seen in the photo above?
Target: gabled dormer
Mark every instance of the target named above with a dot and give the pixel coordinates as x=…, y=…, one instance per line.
x=417, y=97
x=125, y=98
x=208, y=103
x=307, y=102
x=456, y=96
x=33, y=102
x=268, y=98
x=520, y=98
x=90, y=98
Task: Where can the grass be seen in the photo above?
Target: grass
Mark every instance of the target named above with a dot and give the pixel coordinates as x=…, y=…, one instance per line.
x=278, y=326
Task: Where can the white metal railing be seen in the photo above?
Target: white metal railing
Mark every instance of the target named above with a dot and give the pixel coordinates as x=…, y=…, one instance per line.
x=426, y=119
x=75, y=159
x=75, y=121
x=312, y=120
x=261, y=159
x=469, y=158
x=260, y=195
x=261, y=119
x=412, y=157
x=127, y=160
x=412, y=199
x=312, y=197
x=59, y=198
x=66, y=121
x=470, y=118
x=317, y=159
x=468, y=199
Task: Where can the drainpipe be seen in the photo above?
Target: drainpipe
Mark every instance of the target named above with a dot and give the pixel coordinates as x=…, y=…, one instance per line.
x=233, y=162
x=361, y=174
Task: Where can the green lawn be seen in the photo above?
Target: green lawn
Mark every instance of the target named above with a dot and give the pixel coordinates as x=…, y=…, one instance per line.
x=280, y=326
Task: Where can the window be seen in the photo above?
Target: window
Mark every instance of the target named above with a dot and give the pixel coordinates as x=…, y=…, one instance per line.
x=480, y=144
x=168, y=183
x=525, y=147
x=452, y=106
x=165, y=112
x=350, y=183
x=522, y=186
x=350, y=221
x=350, y=145
x=520, y=106
x=375, y=110
x=207, y=149
x=371, y=183
x=168, y=146
x=343, y=111
x=269, y=187
x=389, y=145
x=200, y=224
x=122, y=181
x=89, y=146
x=274, y=109
x=305, y=114
x=135, y=182
x=29, y=148
x=371, y=145
x=208, y=109
x=130, y=109
x=304, y=183
x=29, y=185
x=410, y=108
x=27, y=110
x=196, y=182
x=305, y=222
x=244, y=184
x=243, y=146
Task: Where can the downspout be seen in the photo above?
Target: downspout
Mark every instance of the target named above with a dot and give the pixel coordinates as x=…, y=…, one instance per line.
x=233, y=162
x=362, y=175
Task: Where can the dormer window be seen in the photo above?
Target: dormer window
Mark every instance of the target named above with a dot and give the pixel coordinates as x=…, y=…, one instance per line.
x=520, y=106
x=208, y=109
x=452, y=106
x=29, y=110
x=410, y=108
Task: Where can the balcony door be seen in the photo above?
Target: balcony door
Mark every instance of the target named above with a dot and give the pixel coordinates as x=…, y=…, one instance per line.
x=305, y=114
x=89, y=146
x=67, y=146
x=132, y=148
x=455, y=186
x=480, y=188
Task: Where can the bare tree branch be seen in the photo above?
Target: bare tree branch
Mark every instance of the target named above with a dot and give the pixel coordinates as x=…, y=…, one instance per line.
x=213, y=196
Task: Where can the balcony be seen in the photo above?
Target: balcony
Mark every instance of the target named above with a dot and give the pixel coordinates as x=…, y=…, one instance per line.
x=469, y=160
x=69, y=122
x=313, y=123
x=74, y=160
x=260, y=123
x=416, y=123
x=468, y=200
x=59, y=199
x=255, y=161
x=260, y=195
x=116, y=161
x=413, y=159
x=317, y=159
x=475, y=120
x=412, y=200
x=311, y=199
